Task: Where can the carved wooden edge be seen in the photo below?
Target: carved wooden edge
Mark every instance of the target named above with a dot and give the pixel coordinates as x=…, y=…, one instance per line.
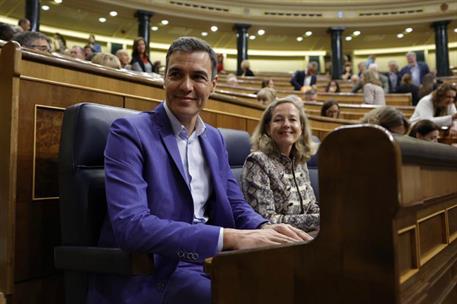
x=9, y=99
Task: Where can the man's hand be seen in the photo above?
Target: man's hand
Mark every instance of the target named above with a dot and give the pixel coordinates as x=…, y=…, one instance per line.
x=289, y=230
x=269, y=235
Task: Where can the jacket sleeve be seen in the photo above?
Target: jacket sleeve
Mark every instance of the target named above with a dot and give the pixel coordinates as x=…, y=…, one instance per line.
x=135, y=228
x=294, y=81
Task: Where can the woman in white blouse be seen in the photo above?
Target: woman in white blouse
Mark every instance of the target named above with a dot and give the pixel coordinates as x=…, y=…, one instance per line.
x=438, y=107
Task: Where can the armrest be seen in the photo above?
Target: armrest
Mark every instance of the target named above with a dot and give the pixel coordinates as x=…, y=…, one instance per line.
x=102, y=260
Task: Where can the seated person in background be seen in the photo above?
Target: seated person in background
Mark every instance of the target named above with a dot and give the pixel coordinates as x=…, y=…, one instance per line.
x=268, y=83
x=24, y=24
x=438, y=107
x=34, y=40
x=7, y=31
x=266, y=96
x=357, y=84
x=246, y=68
x=347, y=71
x=108, y=60
x=407, y=86
x=171, y=194
x=388, y=117
x=428, y=85
x=372, y=90
x=77, y=52
x=426, y=130
x=89, y=52
x=231, y=79
x=305, y=78
x=124, y=59
x=275, y=178
x=310, y=95
x=333, y=87
x=330, y=108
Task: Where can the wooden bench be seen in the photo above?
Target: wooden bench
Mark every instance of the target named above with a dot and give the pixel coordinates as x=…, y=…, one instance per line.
x=388, y=230
x=449, y=79
x=354, y=111
x=357, y=98
x=36, y=88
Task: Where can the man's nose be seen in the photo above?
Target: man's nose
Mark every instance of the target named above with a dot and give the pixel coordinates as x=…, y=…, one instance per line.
x=186, y=84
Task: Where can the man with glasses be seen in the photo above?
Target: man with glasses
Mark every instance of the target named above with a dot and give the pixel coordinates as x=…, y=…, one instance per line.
x=34, y=40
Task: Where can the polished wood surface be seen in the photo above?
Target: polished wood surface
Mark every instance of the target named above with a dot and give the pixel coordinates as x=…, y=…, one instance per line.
x=376, y=243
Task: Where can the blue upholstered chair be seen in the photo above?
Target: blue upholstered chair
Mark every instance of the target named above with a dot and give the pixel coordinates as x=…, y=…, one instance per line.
x=83, y=203
x=238, y=148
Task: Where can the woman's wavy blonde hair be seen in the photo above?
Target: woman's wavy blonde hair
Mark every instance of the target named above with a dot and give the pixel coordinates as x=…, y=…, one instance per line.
x=303, y=148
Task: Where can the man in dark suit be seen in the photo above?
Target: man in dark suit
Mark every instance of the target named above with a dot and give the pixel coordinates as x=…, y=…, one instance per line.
x=393, y=76
x=416, y=69
x=171, y=193
x=305, y=78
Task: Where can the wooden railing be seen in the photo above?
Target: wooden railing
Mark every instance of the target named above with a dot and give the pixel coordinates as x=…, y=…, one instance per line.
x=388, y=230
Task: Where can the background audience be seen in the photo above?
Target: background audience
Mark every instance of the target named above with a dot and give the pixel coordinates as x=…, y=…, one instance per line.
x=388, y=117
x=330, y=108
x=372, y=90
x=426, y=130
x=34, y=40
x=108, y=60
x=266, y=96
x=438, y=107
x=140, y=60
x=333, y=87
x=246, y=68
x=417, y=69
x=407, y=86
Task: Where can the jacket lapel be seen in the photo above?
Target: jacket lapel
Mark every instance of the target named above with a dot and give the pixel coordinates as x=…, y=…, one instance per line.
x=169, y=140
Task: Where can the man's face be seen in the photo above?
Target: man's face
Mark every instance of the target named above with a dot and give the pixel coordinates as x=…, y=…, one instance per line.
x=411, y=59
x=188, y=84
x=40, y=45
x=25, y=25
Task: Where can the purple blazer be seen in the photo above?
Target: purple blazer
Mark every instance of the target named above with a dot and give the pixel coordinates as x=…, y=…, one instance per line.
x=150, y=207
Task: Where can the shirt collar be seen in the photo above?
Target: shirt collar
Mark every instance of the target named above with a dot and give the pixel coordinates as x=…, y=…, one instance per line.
x=177, y=126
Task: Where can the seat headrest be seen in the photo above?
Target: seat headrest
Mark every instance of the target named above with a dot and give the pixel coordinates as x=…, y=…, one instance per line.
x=88, y=124
x=237, y=144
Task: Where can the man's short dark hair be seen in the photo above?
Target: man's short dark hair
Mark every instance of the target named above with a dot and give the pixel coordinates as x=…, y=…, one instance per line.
x=192, y=45
x=27, y=39
x=6, y=32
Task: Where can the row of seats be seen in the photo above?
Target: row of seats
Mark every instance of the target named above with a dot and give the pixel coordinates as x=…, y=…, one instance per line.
x=83, y=202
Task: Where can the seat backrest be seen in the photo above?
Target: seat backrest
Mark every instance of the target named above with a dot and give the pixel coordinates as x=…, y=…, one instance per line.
x=81, y=171
x=238, y=148
x=313, y=169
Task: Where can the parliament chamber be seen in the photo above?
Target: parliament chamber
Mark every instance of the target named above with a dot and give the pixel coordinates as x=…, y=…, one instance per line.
x=388, y=231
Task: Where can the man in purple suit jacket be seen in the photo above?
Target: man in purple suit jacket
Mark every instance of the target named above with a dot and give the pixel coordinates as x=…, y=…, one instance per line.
x=171, y=193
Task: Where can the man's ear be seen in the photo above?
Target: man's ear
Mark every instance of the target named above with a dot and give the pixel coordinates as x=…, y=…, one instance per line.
x=214, y=82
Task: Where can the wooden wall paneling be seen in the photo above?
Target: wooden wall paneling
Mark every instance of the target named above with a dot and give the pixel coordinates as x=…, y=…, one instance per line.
x=209, y=118
x=9, y=125
x=251, y=124
x=452, y=223
x=140, y=104
x=218, y=105
x=231, y=122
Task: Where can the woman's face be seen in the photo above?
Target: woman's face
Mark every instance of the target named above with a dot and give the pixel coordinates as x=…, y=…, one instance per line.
x=141, y=47
x=447, y=99
x=332, y=88
x=400, y=129
x=271, y=84
x=430, y=136
x=333, y=111
x=285, y=127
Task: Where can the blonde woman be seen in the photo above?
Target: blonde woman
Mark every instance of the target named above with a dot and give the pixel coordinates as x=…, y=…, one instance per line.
x=373, y=92
x=275, y=178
